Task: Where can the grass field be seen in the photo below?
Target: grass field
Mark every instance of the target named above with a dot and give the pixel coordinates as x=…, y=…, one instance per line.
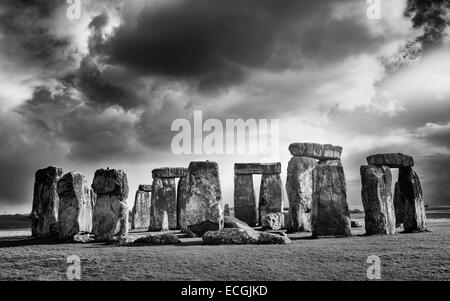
x=419, y=256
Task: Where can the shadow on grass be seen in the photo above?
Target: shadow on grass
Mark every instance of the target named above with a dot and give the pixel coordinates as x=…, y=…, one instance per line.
x=23, y=241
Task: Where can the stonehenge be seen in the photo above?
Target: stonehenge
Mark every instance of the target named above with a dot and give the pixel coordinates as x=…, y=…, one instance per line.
x=75, y=206
x=45, y=208
x=140, y=215
x=384, y=213
x=111, y=210
x=164, y=198
x=270, y=201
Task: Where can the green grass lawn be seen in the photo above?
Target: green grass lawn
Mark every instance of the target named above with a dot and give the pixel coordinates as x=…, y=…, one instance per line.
x=420, y=256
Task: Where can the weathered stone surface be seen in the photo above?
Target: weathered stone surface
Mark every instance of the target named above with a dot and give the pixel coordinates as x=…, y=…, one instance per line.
x=273, y=221
x=399, y=205
x=111, y=182
x=160, y=239
x=163, y=199
x=245, y=207
x=45, y=209
x=316, y=151
x=169, y=172
x=414, y=218
x=110, y=217
x=226, y=210
x=181, y=204
x=392, y=160
x=83, y=238
x=75, y=205
x=299, y=191
x=165, y=222
x=377, y=199
x=145, y=187
x=140, y=216
x=330, y=213
x=257, y=168
x=356, y=224
x=204, y=195
x=330, y=162
x=270, y=195
x=232, y=222
x=240, y=237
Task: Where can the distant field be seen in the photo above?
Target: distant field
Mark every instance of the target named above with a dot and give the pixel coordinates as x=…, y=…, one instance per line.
x=420, y=256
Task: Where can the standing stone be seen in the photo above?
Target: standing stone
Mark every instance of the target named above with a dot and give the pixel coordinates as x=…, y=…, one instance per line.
x=163, y=199
x=140, y=216
x=273, y=221
x=165, y=222
x=299, y=191
x=204, y=208
x=414, y=219
x=377, y=200
x=111, y=210
x=270, y=195
x=399, y=206
x=245, y=207
x=75, y=206
x=181, y=204
x=45, y=209
x=330, y=213
x=226, y=210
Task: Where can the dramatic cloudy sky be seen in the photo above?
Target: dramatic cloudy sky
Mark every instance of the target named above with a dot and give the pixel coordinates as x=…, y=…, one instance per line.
x=105, y=89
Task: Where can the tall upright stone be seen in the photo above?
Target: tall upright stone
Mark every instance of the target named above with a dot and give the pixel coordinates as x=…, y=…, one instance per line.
x=181, y=204
x=330, y=213
x=226, y=210
x=203, y=198
x=111, y=210
x=140, y=215
x=270, y=195
x=164, y=198
x=75, y=205
x=45, y=209
x=414, y=219
x=245, y=207
x=299, y=191
x=399, y=206
x=377, y=200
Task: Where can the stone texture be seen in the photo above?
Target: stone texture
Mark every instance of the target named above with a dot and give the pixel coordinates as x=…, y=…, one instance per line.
x=83, y=238
x=203, y=195
x=161, y=239
x=330, y=213
x=377, y=199
x=399, y=206
x=270, y=195
x=330, y=162
x=242, y=237
x=165, y=222
x=202, y=227
x=414, y=218
x=273, y=221
x=169, y=172
x=75, y=205
x=45, y=209
x=299, y=192
x=110, y=182
x=392, y=160
x=245, y=207
x=232, y=222
x=257, y=168
x=316, y=151
x=356, y=224
x=226, y=210
x=163, y=199
x=145, y=187
x=111, y=210
x=181, y=204
x=140, y=216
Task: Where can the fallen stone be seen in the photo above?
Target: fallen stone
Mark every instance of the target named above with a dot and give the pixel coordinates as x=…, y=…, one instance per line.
x=267, y=238
x=146, y=188
x=277, y=232
x=232, y=222
x=140, y=216
x=356, y=224
x=168, y=172
x=299, y=191
x=245, y=207
x=226, y=210
x=181, y=204
x=257, y=168
x=83, y=238
x=316, y=151
x=330, y=213
x=203, y=195
x=242, y=237
x=121, y=240
x=45, y=203
x=273, y=221
x=270, y=195
x=203, y=227
x=75, y=207
x=161, y=239
x=377, y=199
x=399, y=205
x=392, y=160
x=110, y=182
x=414, y=218
x=164, y=198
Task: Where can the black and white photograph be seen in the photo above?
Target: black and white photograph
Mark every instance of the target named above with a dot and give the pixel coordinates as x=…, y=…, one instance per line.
x=221, y=141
